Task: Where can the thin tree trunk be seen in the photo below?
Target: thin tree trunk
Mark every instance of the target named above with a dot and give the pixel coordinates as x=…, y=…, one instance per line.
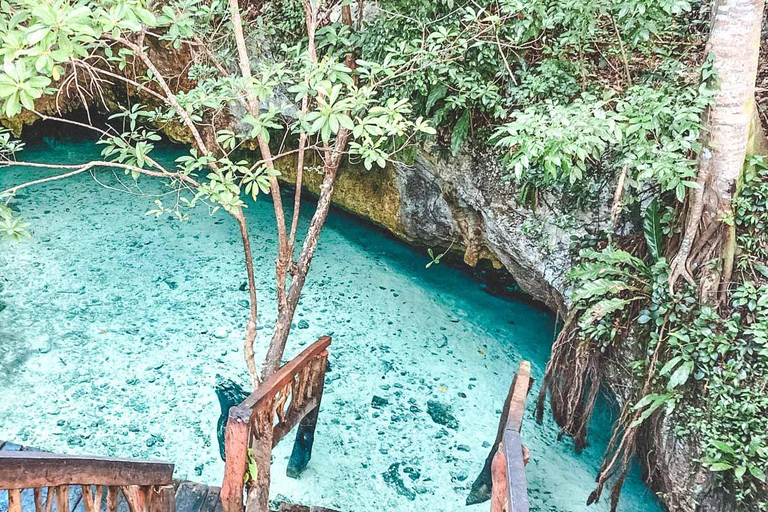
x=250, y=329
x=283, y=324
x=735, y=43
x=252, y=106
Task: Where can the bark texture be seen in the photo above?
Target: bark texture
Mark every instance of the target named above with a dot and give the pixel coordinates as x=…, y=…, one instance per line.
x=735, y=44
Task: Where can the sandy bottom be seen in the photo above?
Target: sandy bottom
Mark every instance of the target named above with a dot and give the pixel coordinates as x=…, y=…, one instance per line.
x=114, y=325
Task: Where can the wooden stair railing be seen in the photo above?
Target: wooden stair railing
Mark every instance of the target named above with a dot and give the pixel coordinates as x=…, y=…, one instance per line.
x=503, y=476
x=146, y=486
x=292, y=395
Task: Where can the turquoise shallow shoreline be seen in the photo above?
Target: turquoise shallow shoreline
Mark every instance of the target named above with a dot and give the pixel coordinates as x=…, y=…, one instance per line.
x=114, y=325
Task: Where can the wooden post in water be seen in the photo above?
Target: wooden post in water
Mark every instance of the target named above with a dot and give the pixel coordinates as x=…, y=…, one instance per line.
x=502, y=478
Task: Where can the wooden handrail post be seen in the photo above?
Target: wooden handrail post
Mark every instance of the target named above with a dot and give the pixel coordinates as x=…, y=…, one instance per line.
x=305, y=434
x=162, y=499
x=258, y=491
x=288, y=397
x=236, y=445
x=499, y=502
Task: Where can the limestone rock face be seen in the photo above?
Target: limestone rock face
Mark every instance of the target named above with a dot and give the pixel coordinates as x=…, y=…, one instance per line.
x=466, y=200
x=464, y=203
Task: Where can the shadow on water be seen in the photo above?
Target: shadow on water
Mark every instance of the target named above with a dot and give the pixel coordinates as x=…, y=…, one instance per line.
x=13, y=354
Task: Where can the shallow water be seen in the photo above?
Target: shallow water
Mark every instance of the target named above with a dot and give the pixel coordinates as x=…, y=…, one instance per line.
x=116, y=324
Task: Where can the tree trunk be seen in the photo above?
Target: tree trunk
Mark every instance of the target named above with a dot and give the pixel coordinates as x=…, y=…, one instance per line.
x=285, y=315
x=735, y=43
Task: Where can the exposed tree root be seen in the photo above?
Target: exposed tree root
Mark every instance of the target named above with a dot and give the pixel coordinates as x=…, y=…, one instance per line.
x=573, y=379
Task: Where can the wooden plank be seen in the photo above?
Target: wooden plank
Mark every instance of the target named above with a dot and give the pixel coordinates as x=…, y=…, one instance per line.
x=499, y=493
x=62, y=498
x=98, y=497
x=163, y=499
x=88, y=504
x=137, y=497
x=112, y=494
x=517, y=406
x=517, y=488
x=21, y=470
x=50, y=498
x=14, y=500
x=280, y=378
x=38, y=494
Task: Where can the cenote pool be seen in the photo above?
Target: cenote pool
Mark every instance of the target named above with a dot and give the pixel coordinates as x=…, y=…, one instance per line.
x=114, y=326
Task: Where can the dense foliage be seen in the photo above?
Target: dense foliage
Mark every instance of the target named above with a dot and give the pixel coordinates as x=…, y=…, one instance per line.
x=45, y=42
x=708, y=365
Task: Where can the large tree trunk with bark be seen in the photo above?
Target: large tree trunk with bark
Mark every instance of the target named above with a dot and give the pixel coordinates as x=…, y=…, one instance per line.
x=735, y=43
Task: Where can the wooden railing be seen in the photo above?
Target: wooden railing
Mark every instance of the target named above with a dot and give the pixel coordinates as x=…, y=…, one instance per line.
x=503, y=476
x=292, y=395
x=35, y=481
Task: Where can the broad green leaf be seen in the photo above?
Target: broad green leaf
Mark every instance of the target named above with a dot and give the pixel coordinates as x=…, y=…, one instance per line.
x=681, y=375
x=654, y=236
x=436, y=94
x=460, y=132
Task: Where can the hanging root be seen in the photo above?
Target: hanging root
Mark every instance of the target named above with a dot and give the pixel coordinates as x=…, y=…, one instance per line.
x=572, y=378
x=623, y=442
x=680, y=264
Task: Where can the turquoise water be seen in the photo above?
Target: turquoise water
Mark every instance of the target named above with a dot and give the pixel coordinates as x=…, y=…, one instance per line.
x=115, y=325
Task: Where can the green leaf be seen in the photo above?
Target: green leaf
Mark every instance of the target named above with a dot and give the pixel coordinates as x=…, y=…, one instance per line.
x=653, y=402
x=720, y=466
x=681, y=375
x=599, y=288
x=436, y=94
x=601, y=309
x=723, y=447
x=460, y=132
x=757, y=473
x=670, y=365
x=654, y=236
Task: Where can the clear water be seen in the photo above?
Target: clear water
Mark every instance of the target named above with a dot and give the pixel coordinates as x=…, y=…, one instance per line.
x=116, y=324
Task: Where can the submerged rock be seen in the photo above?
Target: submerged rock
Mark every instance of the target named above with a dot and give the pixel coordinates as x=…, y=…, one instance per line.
x=441, y=414
x=229, y=394
x=393, y=478
x=378, y=402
